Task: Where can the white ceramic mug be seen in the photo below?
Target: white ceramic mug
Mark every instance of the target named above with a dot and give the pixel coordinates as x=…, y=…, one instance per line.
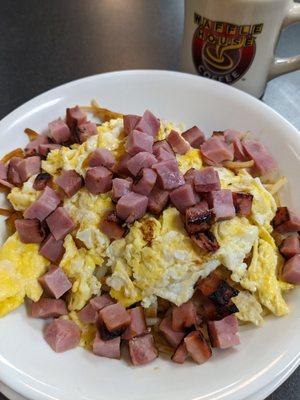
x=233, y=41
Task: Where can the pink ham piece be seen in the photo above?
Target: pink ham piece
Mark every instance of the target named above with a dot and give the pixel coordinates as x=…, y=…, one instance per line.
x=75, y=116
x=6, y=184
x=138, y=141
x=102, y=157
x=242, y=203
x=121, y=167
x=172, y=337
x=180, y=354
x=44, y=205
x=88, y=314
x=55, y=282
x=44, y=149
x=190, y=176
x=137, y=324
x=291, y=270
x=178, y=143
x=28, y=167
x=290, y=246
x=142, y=349
x=70, y=182
x=52, y=249
x=197, y=347
x=33, y=147
x=199, y=218
x=163, y=155
x=215, y=151
x=48, y=308
x=194, y=136
x=120, y=187
x=148, y=124
x=230, y=135
x=140, y=161
x=222, y=203
x=107, y=348
x=223, y=333
x=13, y=175
x=3, y=171
x=130, y=122
x=112, y=229
x=285, y=221
x=184, y=316
x=169, y=176
x=99, y=302
x=157, y=200
x=86, y=130
x=59, y=131
x=235, y=137
x=206, y=180
x=132, y=206
x=183, y=197
x=29, y=230
x=163, y=145
x=146, y=182
x=62, y=335
x=115, y=317
x=263, y=161
x=60, y=223
x=98, y=180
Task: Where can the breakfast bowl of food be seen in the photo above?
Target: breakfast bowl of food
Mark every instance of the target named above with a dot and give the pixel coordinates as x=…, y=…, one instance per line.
x=150, y=244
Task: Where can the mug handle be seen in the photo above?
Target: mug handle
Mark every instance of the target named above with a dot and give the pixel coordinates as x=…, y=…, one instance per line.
x=281, y=66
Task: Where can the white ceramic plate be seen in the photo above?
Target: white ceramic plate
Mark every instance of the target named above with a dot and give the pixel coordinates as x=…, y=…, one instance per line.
x=266, y=356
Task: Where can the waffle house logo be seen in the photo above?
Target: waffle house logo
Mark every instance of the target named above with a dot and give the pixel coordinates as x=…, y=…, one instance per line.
x=223, y=51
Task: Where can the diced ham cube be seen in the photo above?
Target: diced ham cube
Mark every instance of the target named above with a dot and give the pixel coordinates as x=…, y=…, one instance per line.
x=55, y=282
x=99, y=302
x=86, y=130
x=291, y=270
x=48, y=308
x=184, y=316
x=138, y=141
x=235, y=137
x=163, y=145
x=205, y=241
x=263, y=161
x=222, y=203
x=107, y=348
x=206, y=180
x=33, y=147
x=290, y=246
x=146, y=182
x=163, y=155
x=178, y=143
x=148, y=124
x=44, y=149
x=130, y=122
x=210, y=284
x=183, y=197
x=62, y=335
x=132, y=206
x=142, y=349
x=52, y=249
x=223, y=333
x=59, y=131
x=70, y=182
x=199, y=218
x=137, y=324
x=60, y=223
x=197, y=347
x=3, y=171
x=75, y=116
x=171, y=336
x=112, y=229
x=88, y=314
x=194, y=136
x=169, y=176
x=242, y=203
x=6, y=184
x=285, y=221
x=13, y=175
x=180, y=354
x=29, y=230
x=44, y=205
x=190, y=176
x=215, y=151
x=120, y=187
x=121, y=167
x=102, y=157
x=28, y=167
x=140, y=161
x=98, y=180
x=115, y=317
x=157, y=200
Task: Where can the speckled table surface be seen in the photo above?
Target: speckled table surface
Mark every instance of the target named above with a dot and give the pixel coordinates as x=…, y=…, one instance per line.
x=46, y=43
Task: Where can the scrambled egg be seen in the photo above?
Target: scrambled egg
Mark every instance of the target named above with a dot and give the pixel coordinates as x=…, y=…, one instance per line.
x=87, y=331
x=20, y=267
x=250, y=309
x=22, y=198
x=166, y=128
x=191, y=159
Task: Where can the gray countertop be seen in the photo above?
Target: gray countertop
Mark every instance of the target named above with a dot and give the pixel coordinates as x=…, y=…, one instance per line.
x=46, y=43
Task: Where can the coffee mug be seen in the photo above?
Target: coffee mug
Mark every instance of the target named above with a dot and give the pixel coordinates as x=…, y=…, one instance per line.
x=233, y=41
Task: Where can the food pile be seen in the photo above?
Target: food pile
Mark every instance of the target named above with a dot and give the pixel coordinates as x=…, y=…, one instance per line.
x=136, y=233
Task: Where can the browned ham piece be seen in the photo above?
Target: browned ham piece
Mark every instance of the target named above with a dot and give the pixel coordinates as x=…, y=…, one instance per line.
x=3, y=171
x=199, y=218
x=62, y=335
x=215, y=151
x=180, y=354
x=52, y=249
x=290, y=246
x=210, y=284
x=178, y=143
x=222, y=203
x=55, y=282
x=138, y=141
x=285, y=221
x=148, y=124
x=263, y=161
x=139, y=161
x=194, y=136
x=88, y=314
x=120, y=187
x=28, y=167
x=163, y=145
x=33, y=148
x=166, y=329
x=223, y=333
x=183, y=197
x=206, y=180
x=29, y=230
x=145, y=182
x=142, y=349
x=74, y=117
x=115, y=317
x=48, y=308
x=130, y=121
x=13, y=175
x=242, y=203
x=102, y=157
x=98, y=180
x=59, y=131
x=44, y=149
x=184, y=316
x=44, y=205
x=157, y=200
x=169, y=176
x=205, y=241
x=132, y=206
x=112, y=229
x=197, y=347
x=107, y=348
x=137, y=324
x=85, y=130
x=291, y=270
x=99, y=302
x=70, y=182
x=60, y=223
